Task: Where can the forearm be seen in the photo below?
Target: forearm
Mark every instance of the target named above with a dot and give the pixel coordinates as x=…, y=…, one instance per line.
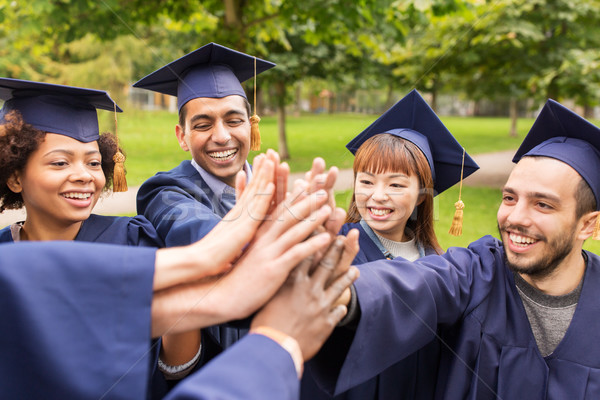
x=174, y=266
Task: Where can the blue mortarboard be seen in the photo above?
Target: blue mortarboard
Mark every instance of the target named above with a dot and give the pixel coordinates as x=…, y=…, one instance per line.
x=210, y=71
x=562, y=134
x=412, y=119
x=66, y=110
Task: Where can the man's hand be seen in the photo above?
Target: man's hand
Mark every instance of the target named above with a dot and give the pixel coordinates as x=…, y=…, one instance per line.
x=304, y=306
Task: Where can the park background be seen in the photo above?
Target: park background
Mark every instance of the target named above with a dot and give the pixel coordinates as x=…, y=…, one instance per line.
x=486, y=67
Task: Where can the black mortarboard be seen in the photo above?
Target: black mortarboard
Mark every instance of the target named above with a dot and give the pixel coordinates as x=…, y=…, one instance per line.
x=66, y=110
x=412, y=119
x=562, y=134
x=211, y=71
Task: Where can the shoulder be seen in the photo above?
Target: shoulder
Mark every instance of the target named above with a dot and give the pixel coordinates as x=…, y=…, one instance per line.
x=184, y=172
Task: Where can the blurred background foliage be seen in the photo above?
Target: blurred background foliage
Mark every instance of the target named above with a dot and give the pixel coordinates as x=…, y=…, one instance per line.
x=512, y=54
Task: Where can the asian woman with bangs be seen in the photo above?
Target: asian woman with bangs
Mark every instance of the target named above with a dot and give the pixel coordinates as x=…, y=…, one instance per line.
x=402, y=160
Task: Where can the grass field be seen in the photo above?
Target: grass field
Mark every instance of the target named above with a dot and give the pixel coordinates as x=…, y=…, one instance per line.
x=149, y=138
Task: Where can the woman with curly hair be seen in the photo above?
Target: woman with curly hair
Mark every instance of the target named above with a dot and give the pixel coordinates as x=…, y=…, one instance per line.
x=402, y=160
x=55, y=164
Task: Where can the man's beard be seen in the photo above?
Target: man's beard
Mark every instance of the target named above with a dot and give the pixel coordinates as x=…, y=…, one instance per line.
x=557, y=250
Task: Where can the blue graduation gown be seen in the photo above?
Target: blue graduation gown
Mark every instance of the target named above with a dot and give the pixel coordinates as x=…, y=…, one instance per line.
x=489, y=350
x=76, y=320
x=183, y=209
x=254, y=368
x=180, y=205
x=412, y=378
x=136, y=231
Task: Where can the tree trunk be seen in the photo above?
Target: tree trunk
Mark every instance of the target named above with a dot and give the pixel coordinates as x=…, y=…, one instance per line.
x=434, y=100
x=588, y=112
x=280, y=90
x=514, y=115
x=298, y=103
x=389, y=97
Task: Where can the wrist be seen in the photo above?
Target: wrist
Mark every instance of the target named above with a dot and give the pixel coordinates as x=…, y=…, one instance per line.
x=287, y=342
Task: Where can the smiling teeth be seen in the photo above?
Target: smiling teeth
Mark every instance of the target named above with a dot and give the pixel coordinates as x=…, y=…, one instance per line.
x=80, y=196
x=223, y=155
x=379, y=211
x=521, y=240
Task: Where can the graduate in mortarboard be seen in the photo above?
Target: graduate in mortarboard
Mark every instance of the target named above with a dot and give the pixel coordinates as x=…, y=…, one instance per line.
x=185, y=203
x=56, y=164
x=517, y=318
x=402, y=160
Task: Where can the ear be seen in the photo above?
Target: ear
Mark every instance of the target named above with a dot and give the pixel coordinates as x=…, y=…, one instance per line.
x=588, y=222
x=14, y=183
x=180, y=133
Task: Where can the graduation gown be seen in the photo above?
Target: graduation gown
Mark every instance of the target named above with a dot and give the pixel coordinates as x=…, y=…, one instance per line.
x=413, y=377
x=180, y=205
x=76, y=320
x=136, y=231
x=254, y=368
x=488, y=350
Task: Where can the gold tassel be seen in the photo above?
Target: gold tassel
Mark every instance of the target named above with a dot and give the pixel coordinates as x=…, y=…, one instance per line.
x=119, y=179
x=457, y=221
x=456, y=228
x=254, y=133
x=254, y=120
x=596, y=234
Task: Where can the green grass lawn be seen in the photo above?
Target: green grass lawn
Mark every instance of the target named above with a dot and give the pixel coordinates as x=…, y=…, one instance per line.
x=479, y=218
x=148, y=138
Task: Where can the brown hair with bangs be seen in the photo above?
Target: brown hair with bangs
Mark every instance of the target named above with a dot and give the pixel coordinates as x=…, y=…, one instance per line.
x=388, y=153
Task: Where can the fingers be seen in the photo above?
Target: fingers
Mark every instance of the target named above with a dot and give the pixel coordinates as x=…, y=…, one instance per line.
x=349, y=252
x=298, y=229
x=335, y=290
x=318, y=167
x=328, y=264
x=290, y=213
x=302, y=269
x=336, y=220
x=282, y=174
x=254, y=199
x=303, y=250
x=240, y=184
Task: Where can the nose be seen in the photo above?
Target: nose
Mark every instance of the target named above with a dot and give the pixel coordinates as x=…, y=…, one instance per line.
x=379, y=193
x=80, y=173
x=221, y=134
x=518, y=214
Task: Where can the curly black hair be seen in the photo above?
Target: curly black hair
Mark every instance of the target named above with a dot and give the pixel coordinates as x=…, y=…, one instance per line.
x=18, y=140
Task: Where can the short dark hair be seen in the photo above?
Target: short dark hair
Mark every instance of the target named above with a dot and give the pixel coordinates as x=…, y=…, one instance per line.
x=183, y=112
x=585, y=199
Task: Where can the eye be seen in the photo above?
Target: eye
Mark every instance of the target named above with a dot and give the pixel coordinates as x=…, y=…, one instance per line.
x=507, y=198
x=95, y=164
x=59, y=163
x=398, y=185
x=235, y=122
x=201, y=127
x=365, y=182
x=544, y=206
